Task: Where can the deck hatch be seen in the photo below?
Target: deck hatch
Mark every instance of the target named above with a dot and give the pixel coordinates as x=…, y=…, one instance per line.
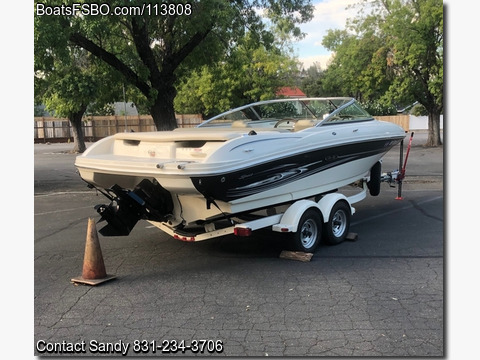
x=129, y=142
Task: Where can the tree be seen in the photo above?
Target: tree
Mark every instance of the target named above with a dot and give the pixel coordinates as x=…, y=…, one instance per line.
x=154, y=49
x=312, y=81
x=71, y=89
x=415, y=38
x=68, y=96
x=358, y=67
x=411, y=56
x=250, y=73
x=65, y=85
x=67, y=79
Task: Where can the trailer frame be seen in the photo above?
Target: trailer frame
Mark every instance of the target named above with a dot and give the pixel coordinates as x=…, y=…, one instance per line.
x=285, y=221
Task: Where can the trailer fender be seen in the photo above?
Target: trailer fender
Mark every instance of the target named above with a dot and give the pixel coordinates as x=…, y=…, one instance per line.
x=327, y=202
x=291, y=217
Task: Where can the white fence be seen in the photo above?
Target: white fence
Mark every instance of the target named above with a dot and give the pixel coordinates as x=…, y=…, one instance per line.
x=421, y=122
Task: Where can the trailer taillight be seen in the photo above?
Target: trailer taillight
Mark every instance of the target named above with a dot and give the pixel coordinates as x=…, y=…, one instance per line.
x=184, y=238
x=242, y=231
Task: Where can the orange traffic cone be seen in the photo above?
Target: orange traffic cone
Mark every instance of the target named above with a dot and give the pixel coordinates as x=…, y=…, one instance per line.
x=93, y=272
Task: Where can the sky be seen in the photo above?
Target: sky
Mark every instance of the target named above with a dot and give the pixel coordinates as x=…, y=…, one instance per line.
x=328, y=14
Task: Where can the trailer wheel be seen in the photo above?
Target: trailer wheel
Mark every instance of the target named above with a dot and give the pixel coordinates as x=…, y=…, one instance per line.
x=309, y=232
x=338, y=224
x=375, y=179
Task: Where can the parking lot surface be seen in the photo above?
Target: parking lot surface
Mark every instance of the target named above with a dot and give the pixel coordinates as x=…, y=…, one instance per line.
x=382, y=295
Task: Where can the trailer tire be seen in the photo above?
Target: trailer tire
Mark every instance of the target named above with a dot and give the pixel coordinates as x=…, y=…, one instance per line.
x=338, y=224
x=375, y=179
x=309, y=232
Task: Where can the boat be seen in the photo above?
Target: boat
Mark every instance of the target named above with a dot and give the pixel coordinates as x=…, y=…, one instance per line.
x=251, y=158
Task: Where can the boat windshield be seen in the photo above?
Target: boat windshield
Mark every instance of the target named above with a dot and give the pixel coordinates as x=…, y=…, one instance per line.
x=286, y=113
x=351, y=113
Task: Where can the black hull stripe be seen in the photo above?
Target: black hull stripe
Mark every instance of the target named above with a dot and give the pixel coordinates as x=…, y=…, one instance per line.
x=262, y=177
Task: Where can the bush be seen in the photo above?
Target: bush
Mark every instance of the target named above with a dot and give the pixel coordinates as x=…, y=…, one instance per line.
x=419, y=110
x=376, y=108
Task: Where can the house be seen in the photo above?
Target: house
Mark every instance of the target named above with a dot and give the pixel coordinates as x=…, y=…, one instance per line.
x=290, y=92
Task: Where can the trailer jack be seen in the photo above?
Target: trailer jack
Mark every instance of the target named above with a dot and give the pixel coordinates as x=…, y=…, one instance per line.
x=397, y=176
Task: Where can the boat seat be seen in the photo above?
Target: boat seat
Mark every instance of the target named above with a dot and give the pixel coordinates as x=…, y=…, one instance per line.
x=303, y=124
x=239, y=124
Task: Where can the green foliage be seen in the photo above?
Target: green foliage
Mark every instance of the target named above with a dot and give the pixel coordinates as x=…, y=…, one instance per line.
x=419, y=110
x=377, y=108
x=94, y=109
x=38, y=111
x=154, y=52
x=312, y=81
x=250, y=73
x=196, y=94
x=413, y=33
x=391, y=54
x=74, y=89
x=67, y=78
x=394, y=53
x=359, y=66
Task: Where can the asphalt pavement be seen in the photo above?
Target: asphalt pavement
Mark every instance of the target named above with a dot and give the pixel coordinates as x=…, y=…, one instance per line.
x=380, y=296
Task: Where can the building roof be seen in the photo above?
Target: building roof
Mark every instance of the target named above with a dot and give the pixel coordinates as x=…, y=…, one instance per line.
x=293, y=92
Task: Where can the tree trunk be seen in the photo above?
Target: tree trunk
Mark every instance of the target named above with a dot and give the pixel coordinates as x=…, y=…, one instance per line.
x=78, y=136
x=162, y=111
x=433, y=139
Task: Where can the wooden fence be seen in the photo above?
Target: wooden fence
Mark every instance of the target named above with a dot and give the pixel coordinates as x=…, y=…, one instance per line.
x=50, y=129
x=401, y=120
